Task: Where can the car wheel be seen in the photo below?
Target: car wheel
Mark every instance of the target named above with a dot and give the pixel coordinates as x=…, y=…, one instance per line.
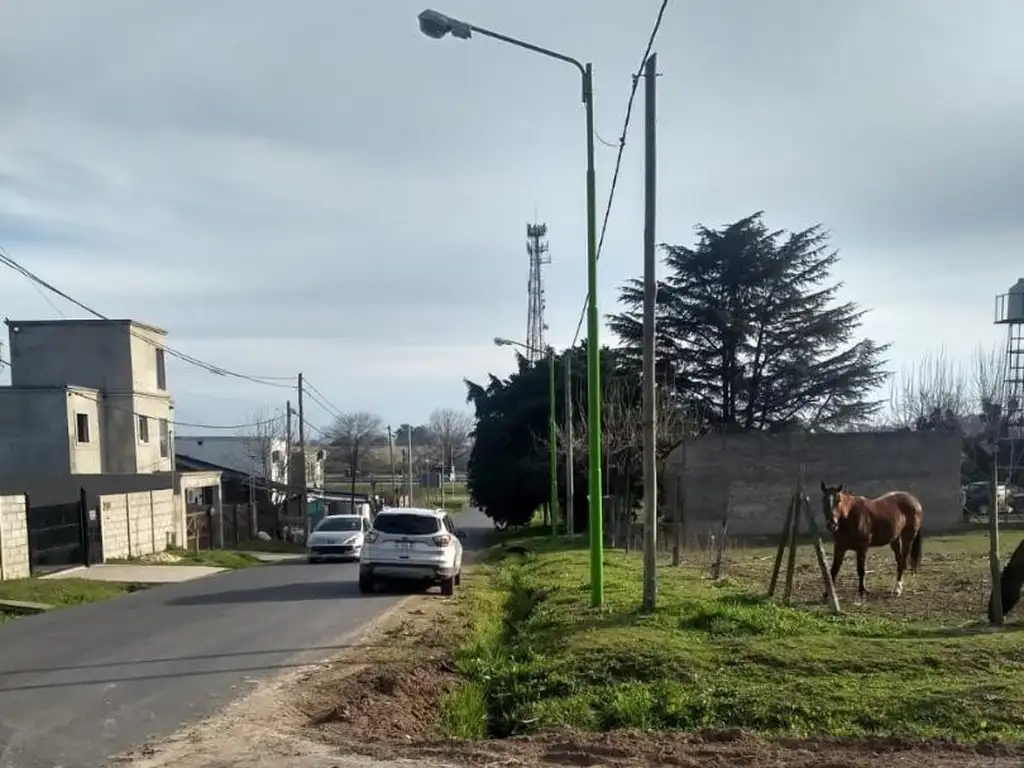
x=313, y=561
x=458, y=579
x=448, y=587
x=366, y=585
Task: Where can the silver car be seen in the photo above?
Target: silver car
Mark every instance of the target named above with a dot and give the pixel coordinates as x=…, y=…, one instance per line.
x=337, y=537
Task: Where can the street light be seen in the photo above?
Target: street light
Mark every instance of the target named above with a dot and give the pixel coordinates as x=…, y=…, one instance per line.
x=552, y=425
x=436, y=25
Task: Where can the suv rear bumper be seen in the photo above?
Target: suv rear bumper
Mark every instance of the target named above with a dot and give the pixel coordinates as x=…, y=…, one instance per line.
x=408, y=571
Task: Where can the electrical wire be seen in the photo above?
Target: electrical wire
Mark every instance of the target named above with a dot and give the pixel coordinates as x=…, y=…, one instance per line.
x=622, y=147
x=270, y=381
x=193, y=425
x=320, y=398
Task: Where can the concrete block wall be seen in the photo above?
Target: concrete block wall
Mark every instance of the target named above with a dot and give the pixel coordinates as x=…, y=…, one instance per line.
x=136, y=524
x=14, y=562
x=755, y=474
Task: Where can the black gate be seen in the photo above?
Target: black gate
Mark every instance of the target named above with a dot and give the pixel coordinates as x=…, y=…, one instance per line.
x=94, y=530
x=57, y=536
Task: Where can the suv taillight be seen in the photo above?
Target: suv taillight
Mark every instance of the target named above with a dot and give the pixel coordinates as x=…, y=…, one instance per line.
x=371, y=537
x=442, y=541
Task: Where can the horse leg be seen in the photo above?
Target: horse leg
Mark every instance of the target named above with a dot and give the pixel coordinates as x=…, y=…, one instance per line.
x=900, y=551
x=862, y=559
x=837, y=562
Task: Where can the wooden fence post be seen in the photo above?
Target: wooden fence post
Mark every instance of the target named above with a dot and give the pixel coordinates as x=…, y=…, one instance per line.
x=781, y=551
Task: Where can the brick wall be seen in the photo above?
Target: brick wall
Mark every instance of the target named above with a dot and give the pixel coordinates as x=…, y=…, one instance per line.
x=14, y=562
x=755, y=474
x=138, y=523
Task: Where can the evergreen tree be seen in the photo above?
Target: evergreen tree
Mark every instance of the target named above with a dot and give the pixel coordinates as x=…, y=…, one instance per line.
x=749, y=330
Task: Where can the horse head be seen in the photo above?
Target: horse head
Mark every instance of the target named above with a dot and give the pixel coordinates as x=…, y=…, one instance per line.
x=835, y=503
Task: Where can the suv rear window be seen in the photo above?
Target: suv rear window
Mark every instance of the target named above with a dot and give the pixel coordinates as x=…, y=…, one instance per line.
x=404, y=524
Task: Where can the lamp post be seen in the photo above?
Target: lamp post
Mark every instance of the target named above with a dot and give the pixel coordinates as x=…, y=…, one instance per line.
x=552, y=426
x=436, y=25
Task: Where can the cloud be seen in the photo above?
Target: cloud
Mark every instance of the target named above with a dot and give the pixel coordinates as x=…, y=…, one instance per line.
x=329, y=191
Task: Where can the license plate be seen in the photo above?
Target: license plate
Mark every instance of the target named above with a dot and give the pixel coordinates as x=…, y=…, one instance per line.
x=403, y=545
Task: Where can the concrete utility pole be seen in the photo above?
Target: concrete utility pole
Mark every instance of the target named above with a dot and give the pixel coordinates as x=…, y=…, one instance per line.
x=650, y=393
x=391, y=456
x=408, y=428
x=287, y=461
x=302, y=462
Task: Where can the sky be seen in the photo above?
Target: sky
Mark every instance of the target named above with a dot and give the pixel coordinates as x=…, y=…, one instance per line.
x=318, y=187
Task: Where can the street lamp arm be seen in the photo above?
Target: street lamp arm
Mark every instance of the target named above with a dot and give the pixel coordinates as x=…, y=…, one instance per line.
x=530, y=47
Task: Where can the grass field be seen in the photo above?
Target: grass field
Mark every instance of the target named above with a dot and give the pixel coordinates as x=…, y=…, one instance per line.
x=62, y=592
x=718, y=655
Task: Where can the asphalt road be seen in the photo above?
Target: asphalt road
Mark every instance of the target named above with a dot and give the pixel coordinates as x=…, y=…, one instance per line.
x=80, y=685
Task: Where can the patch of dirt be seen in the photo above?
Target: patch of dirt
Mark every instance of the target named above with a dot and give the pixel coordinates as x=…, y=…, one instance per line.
x=374, y=706
x=160, y=557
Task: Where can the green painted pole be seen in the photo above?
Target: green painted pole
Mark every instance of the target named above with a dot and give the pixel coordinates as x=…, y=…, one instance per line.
x=553, y=442
x=593, y=364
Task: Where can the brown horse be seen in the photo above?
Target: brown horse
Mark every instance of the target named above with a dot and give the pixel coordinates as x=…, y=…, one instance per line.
x=858, y=523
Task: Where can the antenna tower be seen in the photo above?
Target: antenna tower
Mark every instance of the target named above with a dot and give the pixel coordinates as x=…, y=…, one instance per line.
x=1010, y=313
x=537, y=248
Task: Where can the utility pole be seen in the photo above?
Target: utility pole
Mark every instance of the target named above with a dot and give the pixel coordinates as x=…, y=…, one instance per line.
x=570, y=493
x=650, y=391
x=408, y=428
x=391, y=455
x=302, y=462
x=287, y=459
x=441, y=477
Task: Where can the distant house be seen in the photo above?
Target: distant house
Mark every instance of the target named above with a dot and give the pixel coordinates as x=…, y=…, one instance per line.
x=264, y=459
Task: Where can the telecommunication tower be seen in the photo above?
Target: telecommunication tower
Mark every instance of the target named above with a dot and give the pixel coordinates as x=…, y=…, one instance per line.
x=1010, y=312
x=537, y=248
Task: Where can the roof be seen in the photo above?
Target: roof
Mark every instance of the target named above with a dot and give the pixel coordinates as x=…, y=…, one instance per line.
x=91, y=321
x=51, y=388
x=234, y=452
x=422, y=511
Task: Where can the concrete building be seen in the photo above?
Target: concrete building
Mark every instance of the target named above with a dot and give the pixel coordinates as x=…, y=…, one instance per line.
x=86, y=397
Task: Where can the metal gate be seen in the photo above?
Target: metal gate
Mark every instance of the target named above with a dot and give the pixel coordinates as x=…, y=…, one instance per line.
x=57, y=536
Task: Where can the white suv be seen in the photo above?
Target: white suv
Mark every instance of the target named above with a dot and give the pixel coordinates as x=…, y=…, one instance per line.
x=409, y=544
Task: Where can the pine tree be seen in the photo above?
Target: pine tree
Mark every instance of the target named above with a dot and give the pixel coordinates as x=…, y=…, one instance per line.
x=750, y=330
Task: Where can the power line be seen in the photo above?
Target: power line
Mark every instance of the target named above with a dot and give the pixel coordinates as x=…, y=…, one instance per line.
x=320, y=398
x=270, y=381
x=193, y=425
x=622, y=147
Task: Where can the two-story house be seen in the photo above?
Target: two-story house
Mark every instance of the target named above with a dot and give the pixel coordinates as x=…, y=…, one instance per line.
x=86, y=397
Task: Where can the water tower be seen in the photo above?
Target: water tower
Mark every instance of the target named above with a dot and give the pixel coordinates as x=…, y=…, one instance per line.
x=1010, y=312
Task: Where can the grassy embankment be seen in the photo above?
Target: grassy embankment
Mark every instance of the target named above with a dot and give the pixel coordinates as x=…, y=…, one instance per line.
x=536, y=656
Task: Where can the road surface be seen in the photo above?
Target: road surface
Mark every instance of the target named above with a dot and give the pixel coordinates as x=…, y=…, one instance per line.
x=80, y=685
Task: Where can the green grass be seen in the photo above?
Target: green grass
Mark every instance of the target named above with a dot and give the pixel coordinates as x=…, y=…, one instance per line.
x=536, y=656
x=62, y=592
x=215, y=558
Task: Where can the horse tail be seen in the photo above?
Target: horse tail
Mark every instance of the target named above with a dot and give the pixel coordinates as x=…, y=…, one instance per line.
x=915, y=550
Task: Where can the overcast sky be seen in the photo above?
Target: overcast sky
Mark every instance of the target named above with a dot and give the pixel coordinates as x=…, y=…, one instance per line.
x=316, y=186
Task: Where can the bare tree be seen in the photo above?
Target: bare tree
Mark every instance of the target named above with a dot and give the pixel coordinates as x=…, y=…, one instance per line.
x=352, y=433
x=988, y=367
x=934, y=393
x=264, y=438
x=451, y=429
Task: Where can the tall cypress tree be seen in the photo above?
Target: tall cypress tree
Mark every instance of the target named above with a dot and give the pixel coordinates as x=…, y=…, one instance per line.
x=749, y=329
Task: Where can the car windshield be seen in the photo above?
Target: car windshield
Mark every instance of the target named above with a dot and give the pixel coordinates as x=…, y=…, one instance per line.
x=339, y=524
x=405, y=524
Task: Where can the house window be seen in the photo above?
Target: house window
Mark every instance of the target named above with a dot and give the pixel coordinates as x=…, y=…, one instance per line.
x=165, y=439
x=161, y=370
x=143, y=429
x=81, y=427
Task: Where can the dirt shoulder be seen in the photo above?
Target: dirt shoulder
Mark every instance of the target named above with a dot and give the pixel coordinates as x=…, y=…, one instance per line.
x=375, y=706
